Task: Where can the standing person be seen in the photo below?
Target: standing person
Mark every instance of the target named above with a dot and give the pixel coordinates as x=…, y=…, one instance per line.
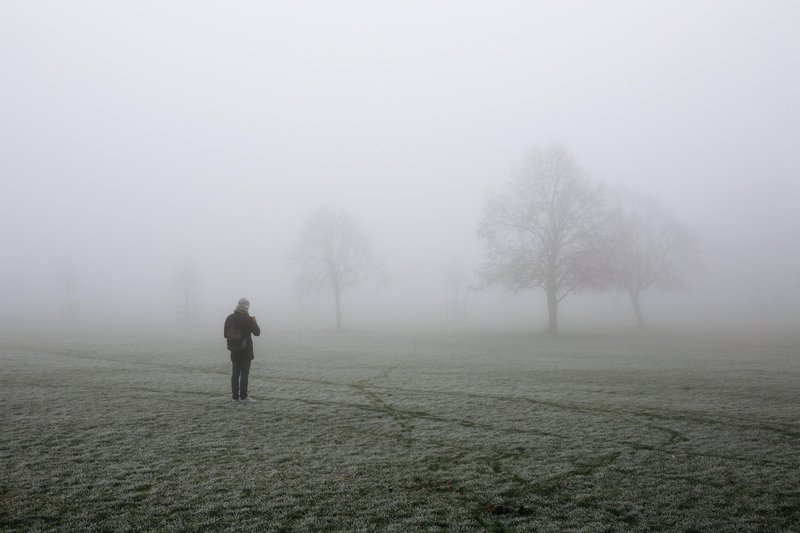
x=239, y=326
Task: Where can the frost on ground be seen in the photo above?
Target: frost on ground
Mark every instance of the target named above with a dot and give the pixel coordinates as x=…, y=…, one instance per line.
x=390, y=432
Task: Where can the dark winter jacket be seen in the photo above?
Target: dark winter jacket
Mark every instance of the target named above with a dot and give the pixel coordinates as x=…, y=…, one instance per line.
x=248, y=326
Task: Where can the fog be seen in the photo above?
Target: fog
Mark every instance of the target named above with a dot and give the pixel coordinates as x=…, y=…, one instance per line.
x=141, y=138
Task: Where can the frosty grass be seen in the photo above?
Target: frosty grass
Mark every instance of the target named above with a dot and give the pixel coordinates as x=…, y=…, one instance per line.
x=361, y=431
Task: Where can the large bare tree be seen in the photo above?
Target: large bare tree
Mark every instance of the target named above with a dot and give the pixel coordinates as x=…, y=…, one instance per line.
x=650, y=249
x=334, y=253
x=545, y=230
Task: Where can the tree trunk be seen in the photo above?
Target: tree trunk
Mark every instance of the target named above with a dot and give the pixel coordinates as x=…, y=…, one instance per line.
x=337, y=295
x=637, y=308
x=552, y=312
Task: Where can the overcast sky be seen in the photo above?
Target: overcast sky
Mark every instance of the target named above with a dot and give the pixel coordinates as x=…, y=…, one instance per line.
x=137, y=134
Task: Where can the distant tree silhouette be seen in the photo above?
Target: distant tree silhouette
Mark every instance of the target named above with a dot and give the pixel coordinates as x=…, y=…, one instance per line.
x=454, y=281
x=545, y=230
x=334, y=253
x=68, y=280
x=186, y=286
x=649, y=249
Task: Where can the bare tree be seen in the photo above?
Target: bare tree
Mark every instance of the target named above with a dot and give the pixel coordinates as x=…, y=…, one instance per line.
x=334, y=253
x=455, y=304
x=545, y=230
x=186, y=288
x=650, y=249
x=67, y=279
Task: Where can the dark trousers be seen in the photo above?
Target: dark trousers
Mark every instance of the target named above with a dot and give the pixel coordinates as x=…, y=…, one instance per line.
x=241, y=371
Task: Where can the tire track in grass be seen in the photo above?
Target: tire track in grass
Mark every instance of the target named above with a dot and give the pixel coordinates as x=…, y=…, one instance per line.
x=525, y=496
x=674, y=436
x=551, y=488
x=718, y=420
x=383, y=407
x=466, y=497
x=502, y=463
x=522, y=486
x=378, y=404
x=402, y=417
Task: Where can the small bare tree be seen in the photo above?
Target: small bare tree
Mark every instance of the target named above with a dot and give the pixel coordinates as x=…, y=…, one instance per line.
x=186, y=288
x=456, y=306
x=334, y=253
x=649, y=249
x=67, y=279
x=545, y=230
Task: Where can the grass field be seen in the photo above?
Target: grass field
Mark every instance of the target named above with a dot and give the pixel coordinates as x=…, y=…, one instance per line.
x=403, y=432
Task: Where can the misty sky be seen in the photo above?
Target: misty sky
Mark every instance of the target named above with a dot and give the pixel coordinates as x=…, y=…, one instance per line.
x=137, y=135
